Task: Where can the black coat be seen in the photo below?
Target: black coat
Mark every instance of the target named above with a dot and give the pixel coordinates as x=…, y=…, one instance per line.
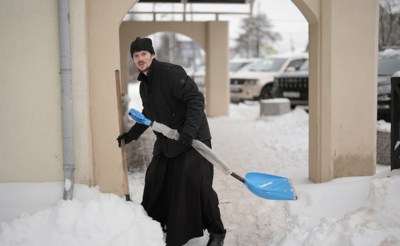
x=172, y=98
x=178, y=186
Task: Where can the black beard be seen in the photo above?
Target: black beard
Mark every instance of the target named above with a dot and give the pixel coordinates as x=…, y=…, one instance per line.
x=143, y=71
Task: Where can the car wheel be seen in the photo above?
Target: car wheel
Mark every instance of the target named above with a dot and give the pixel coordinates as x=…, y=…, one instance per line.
x=266, y=92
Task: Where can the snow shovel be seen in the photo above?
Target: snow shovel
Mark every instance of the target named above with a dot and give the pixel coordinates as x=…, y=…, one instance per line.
x=121, y=131
x=263, y=185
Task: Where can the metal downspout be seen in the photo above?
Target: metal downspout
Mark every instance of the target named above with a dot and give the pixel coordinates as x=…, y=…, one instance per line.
x=66, y=97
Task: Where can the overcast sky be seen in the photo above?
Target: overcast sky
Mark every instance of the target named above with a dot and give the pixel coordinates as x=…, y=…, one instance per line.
x=284, y=15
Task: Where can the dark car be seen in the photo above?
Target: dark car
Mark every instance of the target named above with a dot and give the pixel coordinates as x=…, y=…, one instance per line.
x=294, y=85
x=388, y=64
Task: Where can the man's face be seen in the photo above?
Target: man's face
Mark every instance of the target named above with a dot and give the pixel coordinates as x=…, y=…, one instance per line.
x=143, y=60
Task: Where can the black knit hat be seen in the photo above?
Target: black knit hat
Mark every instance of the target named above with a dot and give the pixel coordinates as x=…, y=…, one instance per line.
x=142, y=44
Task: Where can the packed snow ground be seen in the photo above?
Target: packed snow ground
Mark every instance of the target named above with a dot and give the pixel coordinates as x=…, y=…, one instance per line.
x=346, y=211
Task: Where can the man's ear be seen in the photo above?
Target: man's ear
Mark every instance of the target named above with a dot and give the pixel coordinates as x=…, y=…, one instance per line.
x=153, y=56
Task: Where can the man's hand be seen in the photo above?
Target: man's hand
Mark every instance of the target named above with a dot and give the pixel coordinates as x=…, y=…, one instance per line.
x=185, y=139
x=125, y=137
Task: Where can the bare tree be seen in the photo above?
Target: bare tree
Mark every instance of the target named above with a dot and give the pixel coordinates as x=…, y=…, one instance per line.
x=162, y=50
x=168, y=49
x=257, y=31
x=389, y=23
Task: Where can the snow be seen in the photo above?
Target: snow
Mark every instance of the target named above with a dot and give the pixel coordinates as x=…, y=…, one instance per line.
x=388, y=53
x=67, y=184
x=383, y=126
x=345, y=211
x=276, y=100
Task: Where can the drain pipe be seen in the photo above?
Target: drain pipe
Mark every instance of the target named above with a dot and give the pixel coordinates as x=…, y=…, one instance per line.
x=66, y=97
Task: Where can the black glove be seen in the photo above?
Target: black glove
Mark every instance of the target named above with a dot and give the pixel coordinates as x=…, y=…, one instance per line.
x=125, y=137
x=185, y=139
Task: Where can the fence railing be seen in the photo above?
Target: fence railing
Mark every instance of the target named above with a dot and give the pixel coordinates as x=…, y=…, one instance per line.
x=395, y=122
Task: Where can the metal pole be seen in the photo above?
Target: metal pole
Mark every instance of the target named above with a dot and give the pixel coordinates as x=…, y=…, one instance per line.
x=395, y=122
x=66, y=97
x=171, y=47
x=184, y=10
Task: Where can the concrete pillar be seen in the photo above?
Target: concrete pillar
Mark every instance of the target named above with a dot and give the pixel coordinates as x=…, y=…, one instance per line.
x=217, y=69
x=104, y=19
x=343, y=36
x=83, y=147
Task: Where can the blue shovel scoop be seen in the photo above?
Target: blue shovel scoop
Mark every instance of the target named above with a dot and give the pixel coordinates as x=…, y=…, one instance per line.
x=263, y=185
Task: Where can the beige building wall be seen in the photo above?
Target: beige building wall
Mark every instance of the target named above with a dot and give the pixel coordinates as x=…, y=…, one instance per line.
x=217, y=67
x=343, y=38
x=30, y=92
x=83, y=146
x=343, y=68
x=354, y=86
x=103, y=21
x=212, y=36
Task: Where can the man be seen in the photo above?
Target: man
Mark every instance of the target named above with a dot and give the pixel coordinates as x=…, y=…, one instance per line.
x=178, y=184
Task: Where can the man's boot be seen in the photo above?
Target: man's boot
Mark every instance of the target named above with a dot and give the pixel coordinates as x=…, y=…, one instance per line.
x=216, y=239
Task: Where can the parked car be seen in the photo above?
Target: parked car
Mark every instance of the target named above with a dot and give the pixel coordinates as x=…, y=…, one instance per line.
x=388, y=65
x=294, y=85
x=235, y=65
x=241, y=64
x=257, y=82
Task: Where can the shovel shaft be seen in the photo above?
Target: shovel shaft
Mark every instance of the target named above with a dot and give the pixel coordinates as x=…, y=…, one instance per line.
x=121, y=131
x=241, y=179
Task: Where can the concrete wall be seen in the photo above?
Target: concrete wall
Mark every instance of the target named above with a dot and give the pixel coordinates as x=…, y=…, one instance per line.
x=354, y=86
x=204, y=34
x=217, y=67
x=30, y=93
x=83, y=146
x=104, y=19
x=343, y=70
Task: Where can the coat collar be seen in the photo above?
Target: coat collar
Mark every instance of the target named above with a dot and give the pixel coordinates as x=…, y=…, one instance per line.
x=150, y=73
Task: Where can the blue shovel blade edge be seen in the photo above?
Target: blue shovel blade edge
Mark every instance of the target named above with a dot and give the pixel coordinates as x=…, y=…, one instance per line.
x=270, y=186
x=139, y=117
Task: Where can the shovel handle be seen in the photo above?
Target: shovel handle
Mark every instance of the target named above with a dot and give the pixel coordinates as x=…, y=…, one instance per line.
x=121, y=131
x=241, y=179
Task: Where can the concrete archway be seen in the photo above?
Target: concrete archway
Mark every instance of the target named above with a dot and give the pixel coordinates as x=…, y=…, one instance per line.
x=343, y=58
x=343, y=91
x=343, y=41
x=204, y=34
x=97, y=76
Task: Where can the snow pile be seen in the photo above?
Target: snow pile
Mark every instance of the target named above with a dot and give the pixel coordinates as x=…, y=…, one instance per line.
x=383, y=126
x=245, y=111
x=105, y=220
x=389, y=53
x=269, y=144
x=136, y=186
x=352, y=211
x=375, y=223
x=275, y=100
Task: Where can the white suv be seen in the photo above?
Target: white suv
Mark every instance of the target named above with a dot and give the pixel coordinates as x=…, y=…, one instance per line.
x=256, y=83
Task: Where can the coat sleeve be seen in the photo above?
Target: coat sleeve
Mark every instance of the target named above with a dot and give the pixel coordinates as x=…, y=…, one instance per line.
x=185, y=89
x=137, y=130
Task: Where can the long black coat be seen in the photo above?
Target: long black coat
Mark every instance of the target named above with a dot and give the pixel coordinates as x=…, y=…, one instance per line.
x=171, y=97
x=178, y=186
